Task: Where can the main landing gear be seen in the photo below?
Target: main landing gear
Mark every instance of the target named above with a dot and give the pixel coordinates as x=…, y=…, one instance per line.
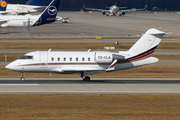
x=22, y=76
x=85, y=77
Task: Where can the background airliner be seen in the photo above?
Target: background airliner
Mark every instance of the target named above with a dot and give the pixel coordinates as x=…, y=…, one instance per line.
x=47, y=16
x=113, y=10
x=90, y=62
x=30, y=7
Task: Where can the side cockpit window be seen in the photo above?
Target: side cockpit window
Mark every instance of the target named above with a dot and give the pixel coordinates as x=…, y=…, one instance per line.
x=26, y=57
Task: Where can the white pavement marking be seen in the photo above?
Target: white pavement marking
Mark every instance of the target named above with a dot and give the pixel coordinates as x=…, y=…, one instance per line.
x=19, y=84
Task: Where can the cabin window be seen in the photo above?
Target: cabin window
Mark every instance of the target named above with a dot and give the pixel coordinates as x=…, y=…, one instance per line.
x=58, y=59
x=26, y=57
x=70, y=59
x=89, y=59
x=64, y=59
x=52, y=59
x=83, y=59
x=76, y=59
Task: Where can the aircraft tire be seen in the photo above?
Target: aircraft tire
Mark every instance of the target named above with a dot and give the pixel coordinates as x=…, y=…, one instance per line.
x=87, y=78
x=22, y=79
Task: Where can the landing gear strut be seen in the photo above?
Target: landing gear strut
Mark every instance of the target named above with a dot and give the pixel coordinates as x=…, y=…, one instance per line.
x=22, y=76
x=85, y=77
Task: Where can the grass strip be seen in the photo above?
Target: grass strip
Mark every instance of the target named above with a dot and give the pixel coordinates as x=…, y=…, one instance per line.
x=78, y=46
x=89, y=107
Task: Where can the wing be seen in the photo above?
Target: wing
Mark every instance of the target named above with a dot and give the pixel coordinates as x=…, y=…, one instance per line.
x=133, y=9
x=2, y=22
x=71, y=70
x=4, y=12
x=40, y=8
x=94, y=9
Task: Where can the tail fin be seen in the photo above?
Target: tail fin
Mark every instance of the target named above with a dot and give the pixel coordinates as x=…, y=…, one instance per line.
x=145, y=8
x=49, y=14
x=147, y=44
x=3, y=5
x=35, y=2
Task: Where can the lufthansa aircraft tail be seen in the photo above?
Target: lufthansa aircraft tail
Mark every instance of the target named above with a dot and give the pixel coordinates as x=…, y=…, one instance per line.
x=146, y=45
x=3, y=5
x=35, y=2
x=49, y=14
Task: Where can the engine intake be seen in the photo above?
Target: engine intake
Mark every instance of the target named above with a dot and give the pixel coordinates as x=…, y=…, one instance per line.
x=103, y=12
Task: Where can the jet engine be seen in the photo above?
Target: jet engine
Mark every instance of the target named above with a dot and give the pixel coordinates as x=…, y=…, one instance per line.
x=122, y=13
x=103, y=57
x=107, y=57
x=103, y=12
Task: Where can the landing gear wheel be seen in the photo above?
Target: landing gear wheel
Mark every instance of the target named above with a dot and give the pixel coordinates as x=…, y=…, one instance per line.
x=22, y=78
x=87, y=78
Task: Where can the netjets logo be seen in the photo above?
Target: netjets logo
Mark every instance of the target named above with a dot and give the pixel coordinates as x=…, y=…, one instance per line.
x=3, y=3
x=52, y=10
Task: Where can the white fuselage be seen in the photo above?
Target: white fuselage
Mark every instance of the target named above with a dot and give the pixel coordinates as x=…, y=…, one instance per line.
x=73, y=62
x=21, y=9
x=114, y=9
x=18, y=20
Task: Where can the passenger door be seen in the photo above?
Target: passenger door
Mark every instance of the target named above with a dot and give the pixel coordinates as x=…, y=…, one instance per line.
x=43, y=59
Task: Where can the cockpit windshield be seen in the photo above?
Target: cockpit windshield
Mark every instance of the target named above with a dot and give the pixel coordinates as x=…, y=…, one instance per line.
x=26, y=57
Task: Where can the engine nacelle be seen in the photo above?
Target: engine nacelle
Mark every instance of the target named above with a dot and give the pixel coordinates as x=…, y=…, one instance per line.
x=103, y=57
x=103, y=12
x=123, y=13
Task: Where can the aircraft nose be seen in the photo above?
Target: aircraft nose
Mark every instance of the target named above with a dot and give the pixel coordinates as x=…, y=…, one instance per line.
x=8, y=66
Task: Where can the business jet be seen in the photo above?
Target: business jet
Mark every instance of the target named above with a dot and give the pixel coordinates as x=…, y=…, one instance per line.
x=30, y=7
x=90, y=62
x=113, y=10
x=47, y=16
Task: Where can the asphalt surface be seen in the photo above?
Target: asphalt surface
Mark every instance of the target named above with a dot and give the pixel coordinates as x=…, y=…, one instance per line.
x=95, y=24
x=96, y=85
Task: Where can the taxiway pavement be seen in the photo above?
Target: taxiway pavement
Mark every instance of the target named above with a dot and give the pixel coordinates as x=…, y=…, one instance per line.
x=95, y=24
x=97, y=85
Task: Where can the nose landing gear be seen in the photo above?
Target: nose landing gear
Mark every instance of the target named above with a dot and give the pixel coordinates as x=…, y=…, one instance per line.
x=22, y=76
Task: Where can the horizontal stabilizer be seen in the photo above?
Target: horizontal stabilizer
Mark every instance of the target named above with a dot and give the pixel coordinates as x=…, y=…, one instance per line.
x=146, y=61
x=158, y=33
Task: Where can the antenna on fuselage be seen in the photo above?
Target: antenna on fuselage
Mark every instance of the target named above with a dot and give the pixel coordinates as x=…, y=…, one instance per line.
x=49, y=50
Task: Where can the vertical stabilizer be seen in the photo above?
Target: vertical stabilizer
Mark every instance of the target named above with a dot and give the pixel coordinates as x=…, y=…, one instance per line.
x=3, y=5
x=49, y=14
x=147, y=43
